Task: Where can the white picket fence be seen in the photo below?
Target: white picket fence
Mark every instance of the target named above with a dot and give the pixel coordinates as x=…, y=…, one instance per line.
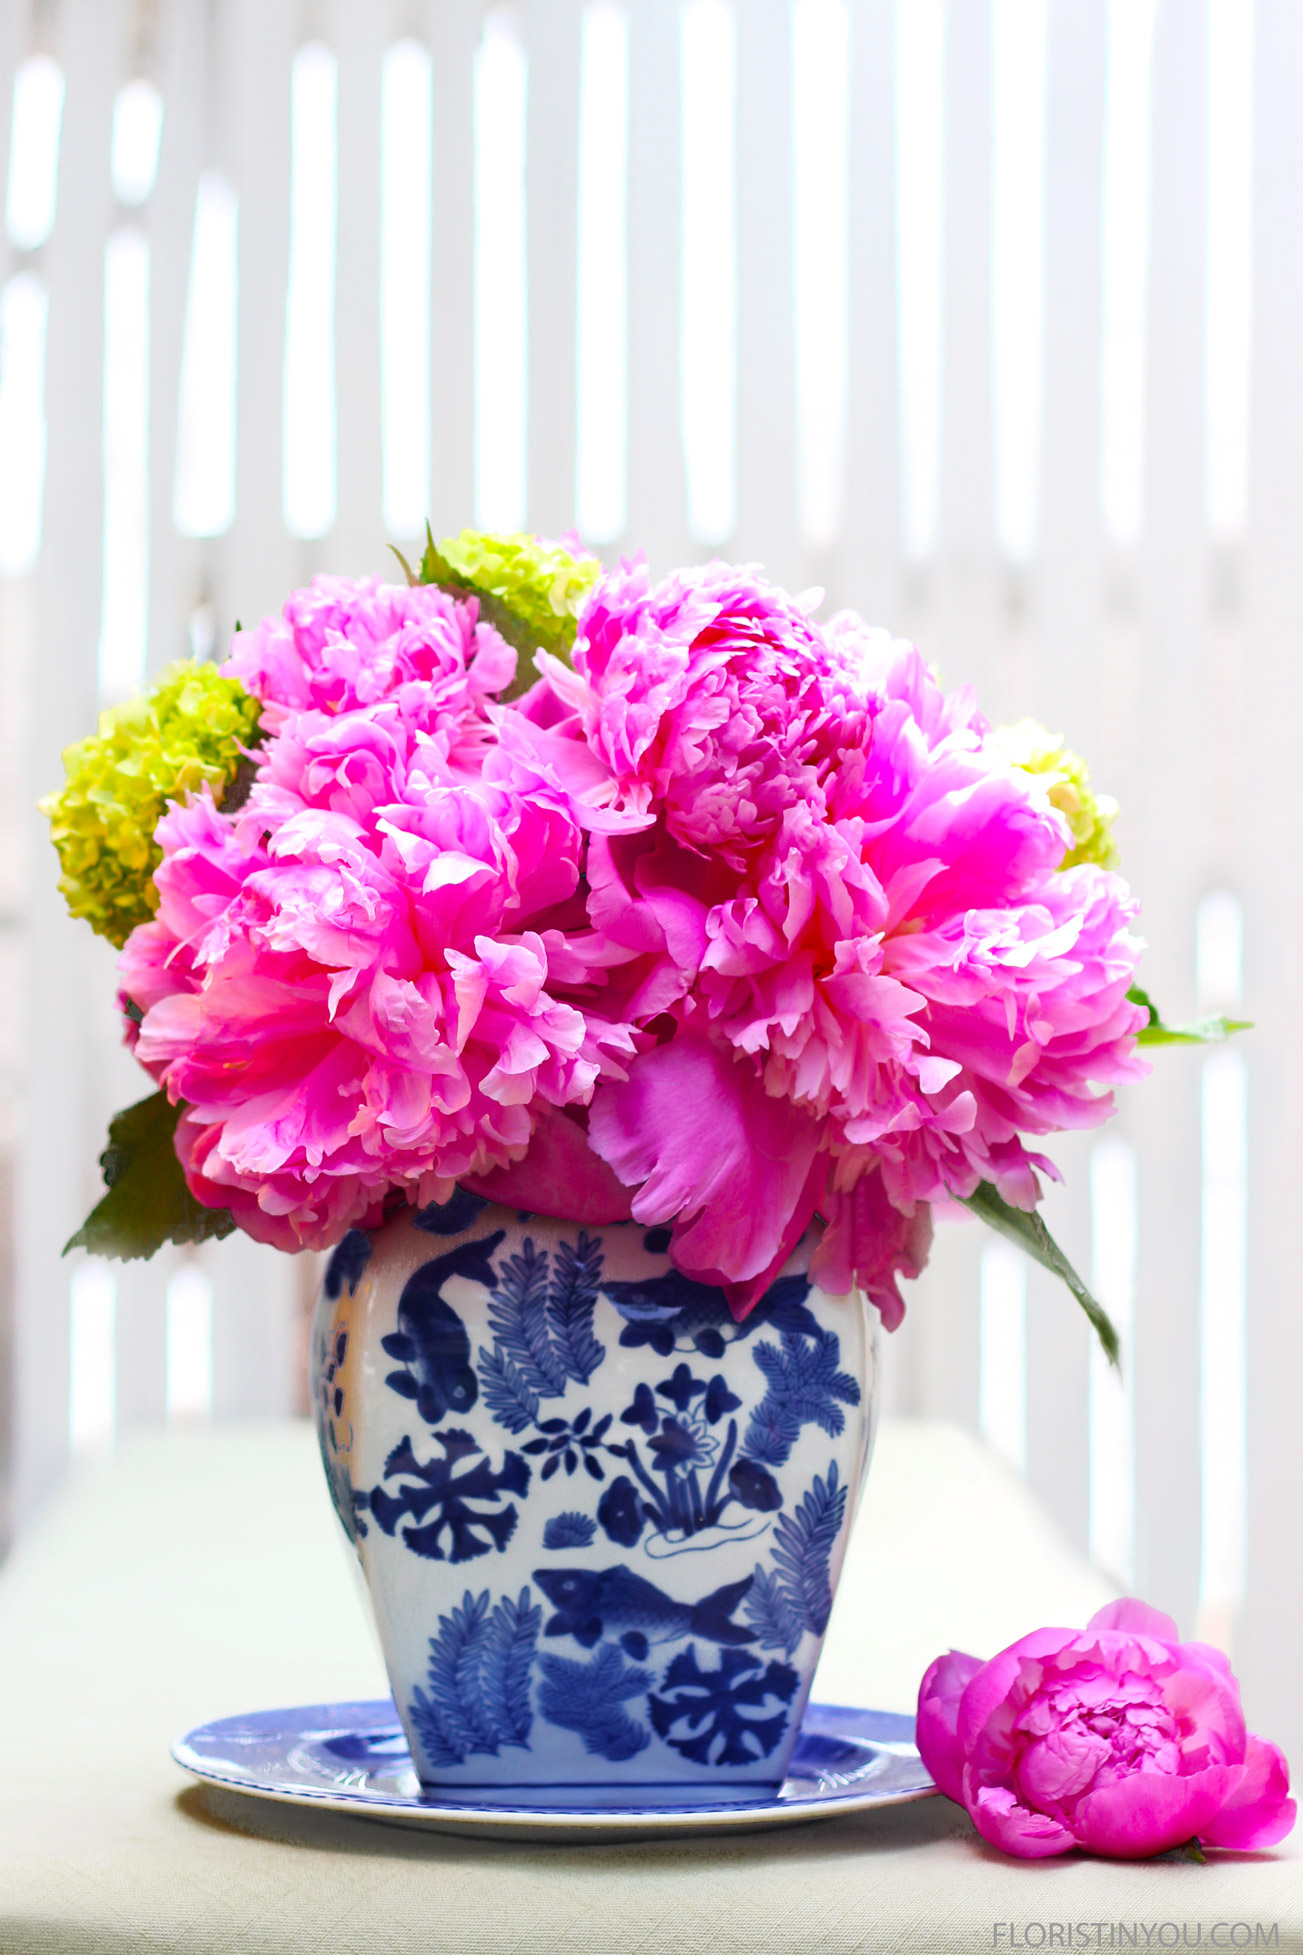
x=836, y=285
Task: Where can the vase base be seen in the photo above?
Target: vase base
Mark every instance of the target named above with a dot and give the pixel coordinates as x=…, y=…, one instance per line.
x=652, y=1795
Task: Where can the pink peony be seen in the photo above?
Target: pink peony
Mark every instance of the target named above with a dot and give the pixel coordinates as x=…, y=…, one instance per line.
x=713, y=698
x=343, y=981
x=851, y=897
x=1119, y=1739
x=346, y=643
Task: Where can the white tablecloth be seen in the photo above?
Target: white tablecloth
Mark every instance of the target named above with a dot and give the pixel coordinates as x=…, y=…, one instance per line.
x=200, y=1575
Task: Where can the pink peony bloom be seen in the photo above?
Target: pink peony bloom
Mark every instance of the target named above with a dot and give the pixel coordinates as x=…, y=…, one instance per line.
x=852, y=898
x=343, y=981
x=712, y=697
x=345, y=643
x=1119, y=1739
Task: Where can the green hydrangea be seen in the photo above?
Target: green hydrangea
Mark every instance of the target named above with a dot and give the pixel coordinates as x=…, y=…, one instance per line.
x=529, y=589
x=153, y=750
x=544, y=584
x=1066, y=778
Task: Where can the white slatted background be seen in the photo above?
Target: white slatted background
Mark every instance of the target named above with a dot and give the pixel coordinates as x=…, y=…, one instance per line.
x=874, y=327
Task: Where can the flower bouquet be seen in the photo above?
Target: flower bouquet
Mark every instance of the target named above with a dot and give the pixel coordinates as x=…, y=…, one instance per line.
x=531, y=889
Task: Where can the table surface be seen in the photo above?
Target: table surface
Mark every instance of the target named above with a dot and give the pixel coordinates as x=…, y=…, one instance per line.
x=201, y=1574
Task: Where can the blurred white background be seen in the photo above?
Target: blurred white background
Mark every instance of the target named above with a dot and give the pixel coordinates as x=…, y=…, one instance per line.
x=984, y=315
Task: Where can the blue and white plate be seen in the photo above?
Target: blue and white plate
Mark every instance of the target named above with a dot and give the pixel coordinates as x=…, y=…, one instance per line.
x=353, y=1758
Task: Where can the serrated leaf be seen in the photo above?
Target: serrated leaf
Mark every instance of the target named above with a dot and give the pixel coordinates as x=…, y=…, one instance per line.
x=1201, y=1031
x=148, y=1202
x=1032, y=1236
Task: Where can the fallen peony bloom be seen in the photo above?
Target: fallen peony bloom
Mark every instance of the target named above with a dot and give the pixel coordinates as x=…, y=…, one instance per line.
x=1119, y=1739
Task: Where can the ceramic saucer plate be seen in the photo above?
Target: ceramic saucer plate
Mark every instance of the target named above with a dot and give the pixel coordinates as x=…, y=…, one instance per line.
x=353, y=1758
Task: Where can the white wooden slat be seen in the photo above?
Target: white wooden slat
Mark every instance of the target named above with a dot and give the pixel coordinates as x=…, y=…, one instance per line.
x=57, y=1174
x=170, y=60
x=1058, y=1353
x=966, y=571
x=1069, y=582
x=114, y=1081
x=932, y=1360
x=15, y=34
x=257, y=1367
x=766, y=355
x=258, y=563
x=959, y=627
x=1267, y=1639
x=175, y=562
x=15, y=615
x=1067, y=627
x=261, y=559
x=17, y=605
x=140, y=1382
x=358, y=540
x=1166, y=861
x=453, y=33
x=551, y=37
x=179, y=68
x=657, y=492
x=870, y=568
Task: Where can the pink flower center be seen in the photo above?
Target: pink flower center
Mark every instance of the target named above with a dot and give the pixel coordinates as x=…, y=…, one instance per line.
x=1074, y=1738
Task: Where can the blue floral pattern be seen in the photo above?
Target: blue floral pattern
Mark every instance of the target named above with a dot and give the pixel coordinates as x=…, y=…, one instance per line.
x=517, y=1443
x=590, y=1697
x=724, y=1716
x=797, y=1595
x=699, y=1477
x=569, y=1531
x=541, y=1315
x=478, y=1681
x=804, y=1387
x=458, y=1515
x=568, y=1441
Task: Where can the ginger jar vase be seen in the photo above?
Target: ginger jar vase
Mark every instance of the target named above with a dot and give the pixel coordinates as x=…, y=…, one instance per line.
x=600, y=1522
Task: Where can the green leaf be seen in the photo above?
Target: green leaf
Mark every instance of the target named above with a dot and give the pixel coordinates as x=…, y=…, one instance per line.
x=1031, y=1235
x=147, y=1203
x=1202, y=1031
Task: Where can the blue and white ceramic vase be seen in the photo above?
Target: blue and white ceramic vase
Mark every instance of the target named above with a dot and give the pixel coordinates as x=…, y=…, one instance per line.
x=601, y=1523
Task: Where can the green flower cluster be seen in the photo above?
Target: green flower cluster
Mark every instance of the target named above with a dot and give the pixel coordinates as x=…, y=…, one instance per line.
x=543, y=584
x=191, y=728
x=1066, y=778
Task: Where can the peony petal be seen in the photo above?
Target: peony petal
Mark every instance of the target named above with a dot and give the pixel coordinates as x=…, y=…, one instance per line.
x=694, y=1131
x=1206, y=1703
x=996, y=1679
x=1259, y=1812
x=559, y=1175
x=1004, y=1823
x=936, y=1734
x=1135, y=1618
x=1151, y=1812
x=742, y=1298
x=871, y=1243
